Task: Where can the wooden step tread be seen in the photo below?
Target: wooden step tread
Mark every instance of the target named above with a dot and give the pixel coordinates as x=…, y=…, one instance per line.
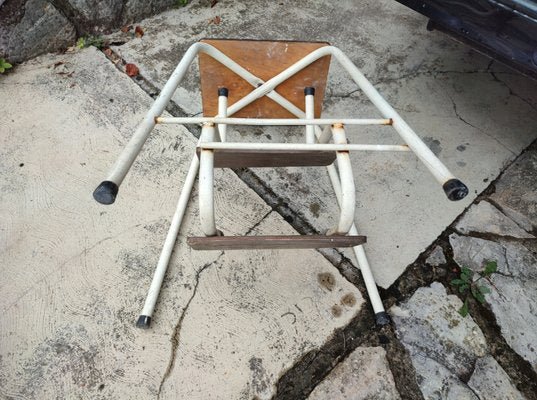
x=225, y=158
x=273, y=242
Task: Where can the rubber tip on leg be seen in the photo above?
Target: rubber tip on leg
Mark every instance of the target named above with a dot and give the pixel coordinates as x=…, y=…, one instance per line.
x=455, y=189
x=144, y=322
x=309, y=91
x=106, y=192
x=382, y=318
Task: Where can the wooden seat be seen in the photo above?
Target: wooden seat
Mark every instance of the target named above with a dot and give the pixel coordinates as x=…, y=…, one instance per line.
x=273, y=242
x=264, y=59
x=224, y=158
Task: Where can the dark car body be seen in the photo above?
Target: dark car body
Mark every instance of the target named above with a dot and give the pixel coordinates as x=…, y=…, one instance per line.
x=505, y=30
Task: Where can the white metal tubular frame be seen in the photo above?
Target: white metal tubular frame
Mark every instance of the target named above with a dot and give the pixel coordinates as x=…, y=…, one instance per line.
x=107, y=191
x=348, y=194
x=272, y=121
x=222, y=112
x=206, y=182
x=309, y=106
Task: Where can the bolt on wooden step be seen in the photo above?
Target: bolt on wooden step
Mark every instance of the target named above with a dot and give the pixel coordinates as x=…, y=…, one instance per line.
x=273, y=242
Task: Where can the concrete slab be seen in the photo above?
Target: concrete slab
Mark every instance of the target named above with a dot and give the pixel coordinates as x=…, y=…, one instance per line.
x=364, y=374
x=254, y=313
x=75, y=273
x=449, y=352
x=475, y=115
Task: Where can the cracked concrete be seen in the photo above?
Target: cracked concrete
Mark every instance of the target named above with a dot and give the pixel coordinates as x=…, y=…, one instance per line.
x=76, y=273
x=246, y=324
x=446, y=93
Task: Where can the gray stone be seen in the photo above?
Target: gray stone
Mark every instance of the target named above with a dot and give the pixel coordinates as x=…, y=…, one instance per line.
x=364, y=374
x=516, y=191
x=93, y=15
x=437, y=382
x=444, y=91
x=436, y=257
x=513, y=297
x=32, y=27
x=490, y=382
x=485, y=218
x=442, y=344
x=75, y=273
x=136, y=9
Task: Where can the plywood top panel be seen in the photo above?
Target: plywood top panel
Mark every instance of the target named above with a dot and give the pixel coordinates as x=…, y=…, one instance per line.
x=264, y=59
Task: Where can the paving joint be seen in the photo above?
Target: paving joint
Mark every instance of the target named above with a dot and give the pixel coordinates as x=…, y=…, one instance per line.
x=418, y=275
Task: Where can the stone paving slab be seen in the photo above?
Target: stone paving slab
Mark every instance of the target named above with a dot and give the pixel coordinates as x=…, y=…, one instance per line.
x=475, y=115
x=364, y=374
x=75, y=273
x=513, y=289
x=516, y=192
x=485, y=218
x=449, y=352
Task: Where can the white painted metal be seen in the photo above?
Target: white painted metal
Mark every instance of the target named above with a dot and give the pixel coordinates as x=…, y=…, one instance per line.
x=222, y=113
x=270, y=121
x=302, y=146
x=310, y=114
x=348, y=193
x=359, y=251
x=134, y=146
x=326, y=135
x=171, y=237
x=127, y=157
x=206, y=182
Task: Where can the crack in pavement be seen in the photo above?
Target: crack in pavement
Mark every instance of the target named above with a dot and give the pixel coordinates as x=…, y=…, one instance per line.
x=457, y=114
x=176, y=334
x=511, y=91
x=415, y=74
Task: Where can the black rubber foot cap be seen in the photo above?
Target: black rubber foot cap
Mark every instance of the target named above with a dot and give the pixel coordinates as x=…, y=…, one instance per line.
x=106, y=192
x=382, y=318
x=309, y=91
x=455, y=189
x=144, y=322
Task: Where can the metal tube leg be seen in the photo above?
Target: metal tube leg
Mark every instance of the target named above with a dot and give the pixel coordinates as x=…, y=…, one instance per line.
x=144, y=320
x=382, y=318
x=222, y=112
x=309, y=92
x=206, y=183
x=107, y=191
x=348, y=193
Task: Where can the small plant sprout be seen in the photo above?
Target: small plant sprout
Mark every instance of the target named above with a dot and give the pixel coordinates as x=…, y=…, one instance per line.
x=466, y=284
x=4, y=65
x=86, y=41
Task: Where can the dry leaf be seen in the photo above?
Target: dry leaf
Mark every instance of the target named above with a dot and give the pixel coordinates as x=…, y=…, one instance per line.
x=131, y=69
x=138, y=32
x=126, y=28
x=58, y=64
x=108, y=52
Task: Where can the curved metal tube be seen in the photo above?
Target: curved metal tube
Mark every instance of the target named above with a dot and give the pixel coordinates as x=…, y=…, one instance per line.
x=127, y=157
x=348, y=195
